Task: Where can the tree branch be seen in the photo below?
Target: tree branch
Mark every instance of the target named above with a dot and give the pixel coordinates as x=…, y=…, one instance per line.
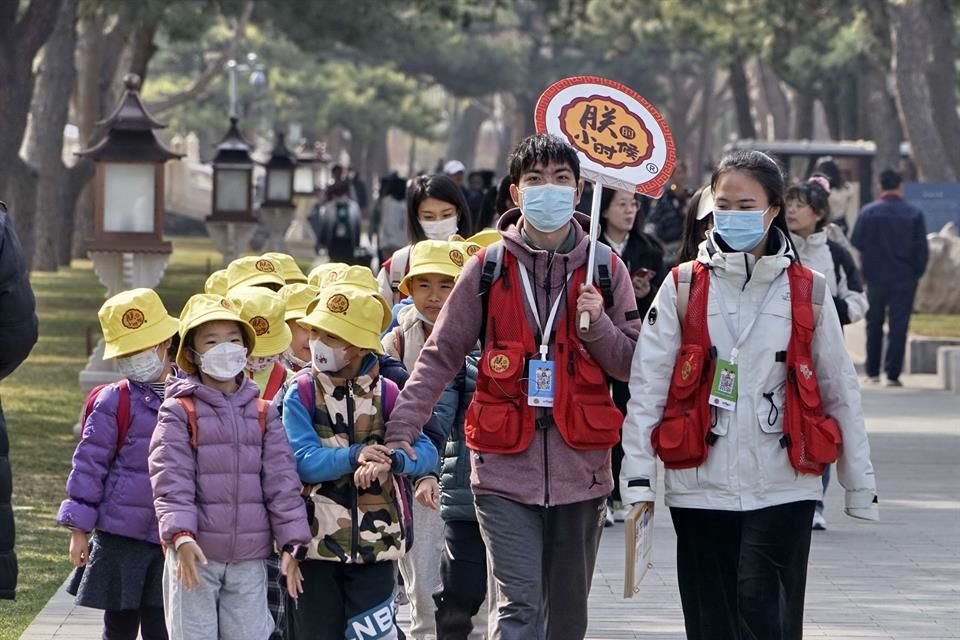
x=204, y=80
x=35, y=26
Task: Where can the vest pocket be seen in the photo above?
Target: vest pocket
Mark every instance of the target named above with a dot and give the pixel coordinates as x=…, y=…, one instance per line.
x=599, y=424
x=821, y=438
x=493, y=427
x=676, y=440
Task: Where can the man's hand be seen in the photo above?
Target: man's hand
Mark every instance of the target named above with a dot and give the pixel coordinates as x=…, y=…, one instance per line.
x=365, y=474
x=590, y=301
x=188, y=555
x=290, y=568
x=79, y=548
x=375, y=453
x=428, y=492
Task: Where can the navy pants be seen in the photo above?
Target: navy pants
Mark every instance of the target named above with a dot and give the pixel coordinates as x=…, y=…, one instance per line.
x=463, y=573
x=892, y=303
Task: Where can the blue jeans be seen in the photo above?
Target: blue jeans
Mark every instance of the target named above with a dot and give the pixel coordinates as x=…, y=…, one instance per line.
x=825, y=479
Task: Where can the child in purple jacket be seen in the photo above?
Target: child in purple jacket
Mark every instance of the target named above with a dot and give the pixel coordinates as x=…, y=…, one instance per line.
x=225, y=484
x=120, y=569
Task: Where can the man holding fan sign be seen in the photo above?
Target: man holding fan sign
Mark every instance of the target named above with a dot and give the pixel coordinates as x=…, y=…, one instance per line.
x=556, y=318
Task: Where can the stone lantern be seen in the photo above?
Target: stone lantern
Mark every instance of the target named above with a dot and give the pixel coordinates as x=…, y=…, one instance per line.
x=277, y=209
x=300, y=237
x=127, y=248
x=231, y=223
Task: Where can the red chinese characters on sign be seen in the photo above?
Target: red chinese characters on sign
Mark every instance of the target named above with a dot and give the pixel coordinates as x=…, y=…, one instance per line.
x=606, y=131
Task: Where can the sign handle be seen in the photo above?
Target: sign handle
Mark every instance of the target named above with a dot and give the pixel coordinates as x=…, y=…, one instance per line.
x=594, y=235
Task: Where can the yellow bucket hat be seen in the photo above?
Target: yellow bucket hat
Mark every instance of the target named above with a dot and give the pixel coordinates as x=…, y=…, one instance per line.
x=207, y=307
x=435, y=257
x=216, y=283
x=484, y=238
x=289, y=268
x=264, y=310
x=362, y=278
x=353, y=314
x=325, y=274
x=297, y=297
x=134, y=320
x=251, y=271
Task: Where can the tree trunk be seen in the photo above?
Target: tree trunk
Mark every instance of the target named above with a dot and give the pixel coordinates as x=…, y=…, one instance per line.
x=803, y=114
x=23, y=203
x=911, y=36
x=462, y=145
x=49, y=116
x=378, y=160
x=740, y=88
x=699, y=162
x=942, y=78
x=882, y=119
x=777, y=101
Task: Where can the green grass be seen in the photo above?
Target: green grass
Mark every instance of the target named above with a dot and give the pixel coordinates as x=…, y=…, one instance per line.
x=937, y=326
x=42, y=401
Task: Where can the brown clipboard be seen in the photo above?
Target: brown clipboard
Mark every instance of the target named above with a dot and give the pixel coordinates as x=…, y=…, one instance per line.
x=638, y=526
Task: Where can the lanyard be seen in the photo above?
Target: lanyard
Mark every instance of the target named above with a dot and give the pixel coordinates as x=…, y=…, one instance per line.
x=532, y=301
x=728, y=317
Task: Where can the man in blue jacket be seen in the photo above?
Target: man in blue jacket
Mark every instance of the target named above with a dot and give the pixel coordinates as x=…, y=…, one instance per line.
x=18, y=333
x=891, y=236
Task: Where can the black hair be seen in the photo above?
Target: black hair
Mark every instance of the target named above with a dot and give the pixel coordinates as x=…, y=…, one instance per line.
x=188, y=341
x=606, y=199
x=338, y=189
x=694, y=231
x=764, y=170
x=544, y=149
x=444, y=189
x=831, y=171
x=393, y=186
x=488, y=215
x=504, y=200
x=890, y=179
x=812, y=194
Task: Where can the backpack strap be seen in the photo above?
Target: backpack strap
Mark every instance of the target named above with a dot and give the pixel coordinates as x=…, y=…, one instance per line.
x=492, y=267
x=123, y=414
x=191, y=410
x=388, y=392
x=683, y=277
x=262, y=407
x=399, y=265
x=278, y=376
x=306, y=391
x=818, y=295
x=399, y=341
x=603, y=267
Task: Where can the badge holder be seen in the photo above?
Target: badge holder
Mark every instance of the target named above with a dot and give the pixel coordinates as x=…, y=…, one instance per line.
x=541, y=381
x=723, y=391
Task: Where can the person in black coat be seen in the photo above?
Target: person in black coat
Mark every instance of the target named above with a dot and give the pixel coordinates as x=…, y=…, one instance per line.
x=621, y=228
x=18, y=334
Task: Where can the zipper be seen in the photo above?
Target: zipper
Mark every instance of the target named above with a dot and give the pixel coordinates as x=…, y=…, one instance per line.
x=236, y=479
x=746, y=266
x=546, y=471
x=355, y=496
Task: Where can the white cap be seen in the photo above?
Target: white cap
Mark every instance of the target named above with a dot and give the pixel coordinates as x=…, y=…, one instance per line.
x=705, y=206
x=453, y=167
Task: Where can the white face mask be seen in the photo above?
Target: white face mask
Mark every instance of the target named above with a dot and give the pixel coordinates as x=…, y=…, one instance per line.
x=256, y=365
x=290, y=360
x=326, y=358
x=424, y=319
x=145, y=367
x=224, y=362
x=440, y=229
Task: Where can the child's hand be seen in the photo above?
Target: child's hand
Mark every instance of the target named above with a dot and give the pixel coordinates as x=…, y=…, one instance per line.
x=367, y=473
x=290, y=568
x=187, y=556
x=428, y=492
x=375, y=453
x=79, y=548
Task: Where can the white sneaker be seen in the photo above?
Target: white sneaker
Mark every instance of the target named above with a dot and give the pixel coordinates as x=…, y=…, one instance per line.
x=819, y=522
x=608, y=521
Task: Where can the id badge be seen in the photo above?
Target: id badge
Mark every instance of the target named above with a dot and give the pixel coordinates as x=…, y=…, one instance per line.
x=723, y=392
x=540, y=383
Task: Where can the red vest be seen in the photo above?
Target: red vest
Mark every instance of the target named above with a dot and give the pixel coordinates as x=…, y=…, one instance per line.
x=499, y=420
x=682, y=438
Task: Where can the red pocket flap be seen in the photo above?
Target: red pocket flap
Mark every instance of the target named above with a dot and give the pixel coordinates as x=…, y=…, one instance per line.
x=806, y=379
x=503, y=364
x=493, y=417
x=830, y=430
x=671, y=433
x=602, y=417
x=688, y=370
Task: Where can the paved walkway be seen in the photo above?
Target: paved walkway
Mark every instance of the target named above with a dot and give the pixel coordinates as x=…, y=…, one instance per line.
x=896, y=579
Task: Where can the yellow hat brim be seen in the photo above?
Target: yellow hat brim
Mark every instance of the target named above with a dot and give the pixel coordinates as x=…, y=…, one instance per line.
x=427, y=269
x=338, y=326
x=221, y=314
x=387, y=311
x=273, y=345
x=142, y=339
x=257, y=280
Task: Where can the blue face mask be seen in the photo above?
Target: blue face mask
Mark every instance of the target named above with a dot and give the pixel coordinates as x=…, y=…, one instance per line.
x=741, y=230
x=547, y=207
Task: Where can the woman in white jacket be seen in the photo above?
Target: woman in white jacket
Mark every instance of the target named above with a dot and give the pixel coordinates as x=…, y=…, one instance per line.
x=742, y=517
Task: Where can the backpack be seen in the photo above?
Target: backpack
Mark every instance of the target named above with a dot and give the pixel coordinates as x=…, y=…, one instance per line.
x=123, y=410
x=193, y=426
x=399, y=265
x=341, y=223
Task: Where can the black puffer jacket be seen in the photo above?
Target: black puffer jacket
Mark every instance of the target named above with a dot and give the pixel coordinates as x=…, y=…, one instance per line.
x=18, y=334
x=456, y=497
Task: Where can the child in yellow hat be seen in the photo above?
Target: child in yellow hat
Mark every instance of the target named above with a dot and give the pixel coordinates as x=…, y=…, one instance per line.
x=297, y=297
x=325, y=274
x=254, y=271
x=434, y=269
x=264, y=310
x=289, y=269
x=108, y=490
x=216, y=283
x=334, y=416
x=220, y=514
